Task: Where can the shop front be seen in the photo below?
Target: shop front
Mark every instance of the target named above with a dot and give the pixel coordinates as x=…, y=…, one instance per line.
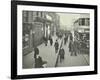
x=26, y=38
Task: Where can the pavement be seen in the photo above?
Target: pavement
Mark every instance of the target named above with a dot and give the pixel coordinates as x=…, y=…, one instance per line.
x=48, y=54
x=79, y=60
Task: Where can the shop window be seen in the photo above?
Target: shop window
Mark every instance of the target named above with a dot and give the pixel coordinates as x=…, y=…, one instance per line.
x=26, y=33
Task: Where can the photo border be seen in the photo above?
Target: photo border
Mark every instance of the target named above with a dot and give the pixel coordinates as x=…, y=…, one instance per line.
x=14, y=38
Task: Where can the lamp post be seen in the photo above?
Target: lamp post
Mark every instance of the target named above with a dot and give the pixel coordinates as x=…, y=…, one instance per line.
x=33, y=33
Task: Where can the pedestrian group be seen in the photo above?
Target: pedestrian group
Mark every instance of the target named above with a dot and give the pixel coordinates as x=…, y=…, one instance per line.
x=73, y=49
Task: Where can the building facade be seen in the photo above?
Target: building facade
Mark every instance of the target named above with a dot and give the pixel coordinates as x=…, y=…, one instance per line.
x=52, y=23
x=36, y=25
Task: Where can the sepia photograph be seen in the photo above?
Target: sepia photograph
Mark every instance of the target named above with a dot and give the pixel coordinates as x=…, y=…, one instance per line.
x=53, y=39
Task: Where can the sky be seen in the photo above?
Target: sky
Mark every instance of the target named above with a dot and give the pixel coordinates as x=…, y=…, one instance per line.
x=67, y=19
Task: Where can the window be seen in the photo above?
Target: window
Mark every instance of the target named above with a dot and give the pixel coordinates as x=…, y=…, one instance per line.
x=37, y=14
x=88, y=21
x=83, y=21
x=41, y=14
x=25, y=16
x=80, y=21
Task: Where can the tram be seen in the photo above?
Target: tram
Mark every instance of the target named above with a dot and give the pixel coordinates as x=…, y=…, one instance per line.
x=81, y=33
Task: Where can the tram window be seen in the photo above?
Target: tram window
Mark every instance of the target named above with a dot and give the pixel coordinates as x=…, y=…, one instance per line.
x=83, y=21
x=80, y=21
x=87, y=21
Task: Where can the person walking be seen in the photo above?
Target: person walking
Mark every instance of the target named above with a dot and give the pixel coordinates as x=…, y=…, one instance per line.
x=45, y=40
x=71, y=37
x=78, y=47
x=61, y=54
x=65, y=39
x=36, y=51
x=56, y=45
x=71, y=48
x=51, y=41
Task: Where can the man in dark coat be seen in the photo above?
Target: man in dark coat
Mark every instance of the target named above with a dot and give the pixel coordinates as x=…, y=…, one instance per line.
x=61, y=54
x=65, y=39
x=45, y=40
x=71, y=47
x=71, y=37
x=51, y=41
x=36, y=51
x=38, y=62
x=56, y=45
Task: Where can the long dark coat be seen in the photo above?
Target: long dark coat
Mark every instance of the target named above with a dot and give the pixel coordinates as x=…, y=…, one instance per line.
x=75, y=46
x=56, y=45
x=39, y=62
x=71, y=46
x=65, y=39
x=62, y=53
x=36, y=51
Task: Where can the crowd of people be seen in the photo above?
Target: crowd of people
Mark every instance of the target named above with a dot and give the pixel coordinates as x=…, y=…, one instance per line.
x=73, y=49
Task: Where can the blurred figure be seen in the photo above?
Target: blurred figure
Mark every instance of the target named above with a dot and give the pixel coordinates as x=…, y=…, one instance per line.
x=36, y=51
x=71, y=37
x=71, y=48
x=70, y=45
x=56, y=45
x=51, y=41
x=38, y=61
x=65, y=39
x=45, y=40
x=75, y=47
x=61, y=54
x=78, y=47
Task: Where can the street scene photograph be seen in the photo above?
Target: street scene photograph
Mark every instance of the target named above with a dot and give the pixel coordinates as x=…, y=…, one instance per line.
x=55, y=39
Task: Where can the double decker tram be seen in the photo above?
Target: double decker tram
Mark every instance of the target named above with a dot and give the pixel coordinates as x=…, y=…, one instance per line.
x=81, y=33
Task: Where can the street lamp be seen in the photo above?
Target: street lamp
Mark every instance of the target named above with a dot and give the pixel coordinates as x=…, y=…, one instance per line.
x=33, y=32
